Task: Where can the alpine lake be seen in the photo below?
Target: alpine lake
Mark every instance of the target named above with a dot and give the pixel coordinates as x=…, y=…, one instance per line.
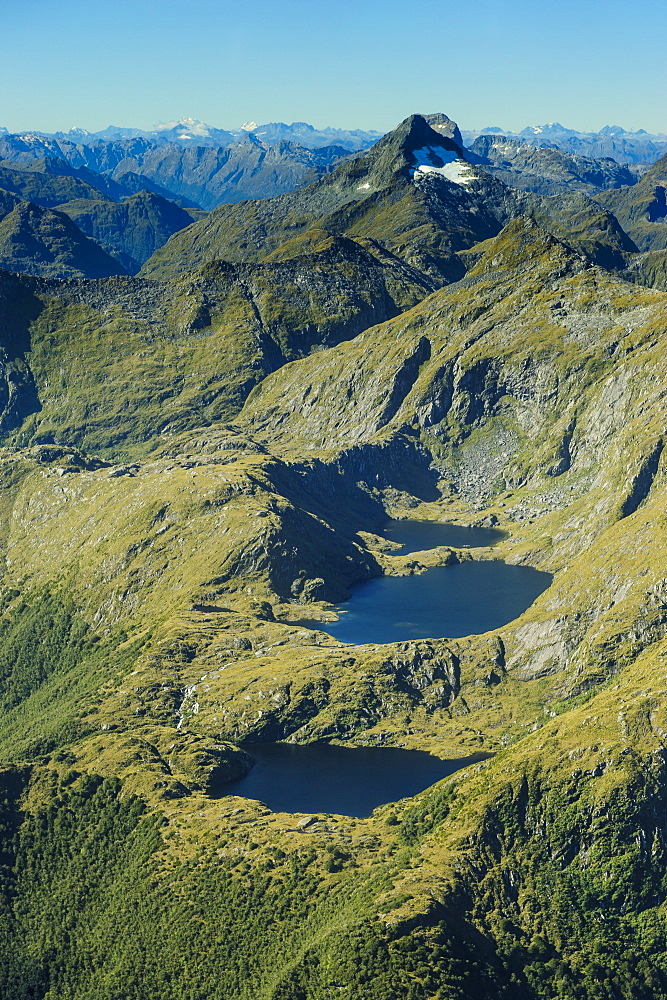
x=466, y=598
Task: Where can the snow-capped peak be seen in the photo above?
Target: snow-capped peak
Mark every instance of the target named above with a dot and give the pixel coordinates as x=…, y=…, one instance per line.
x=546, y=129
x=191, y=125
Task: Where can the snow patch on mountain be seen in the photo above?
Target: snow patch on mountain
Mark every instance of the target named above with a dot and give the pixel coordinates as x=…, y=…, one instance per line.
x=446, y=163
x=433, y=156
x=459, y=172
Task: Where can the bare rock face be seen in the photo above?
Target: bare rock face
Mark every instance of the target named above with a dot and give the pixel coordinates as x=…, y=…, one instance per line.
x=547, y=171
x=445, y=126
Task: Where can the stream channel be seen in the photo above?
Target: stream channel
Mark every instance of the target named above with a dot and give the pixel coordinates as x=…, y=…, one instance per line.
x=452, y=601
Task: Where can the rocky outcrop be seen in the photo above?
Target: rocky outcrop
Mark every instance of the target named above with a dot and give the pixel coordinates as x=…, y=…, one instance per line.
x=642, y=481
x=388, y=680
x=476, y=405
x=548, y=170
x=206, y=765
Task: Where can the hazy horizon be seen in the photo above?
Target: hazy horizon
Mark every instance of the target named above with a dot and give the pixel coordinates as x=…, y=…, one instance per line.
x=361, y=65
x=227, y=126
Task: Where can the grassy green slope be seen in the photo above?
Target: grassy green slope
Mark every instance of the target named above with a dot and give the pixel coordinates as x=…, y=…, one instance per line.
x=113, y=365
x=531, y=322
x=150, y=616
x=461, y=384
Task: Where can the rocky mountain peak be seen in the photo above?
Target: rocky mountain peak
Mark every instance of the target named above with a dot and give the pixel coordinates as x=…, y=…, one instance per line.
x=414, y=133
x=549, y=128
x=397, y=152
x=445, y=126
x=612, y=130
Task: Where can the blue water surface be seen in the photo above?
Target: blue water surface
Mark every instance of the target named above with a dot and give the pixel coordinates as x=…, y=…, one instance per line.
x=348, y=781
x=417, y=535
x=446, y=601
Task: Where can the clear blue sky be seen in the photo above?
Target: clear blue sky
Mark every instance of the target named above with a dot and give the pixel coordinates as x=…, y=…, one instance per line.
x=364, y=64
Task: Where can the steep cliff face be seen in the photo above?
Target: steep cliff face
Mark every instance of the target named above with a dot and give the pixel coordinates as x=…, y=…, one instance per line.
x=130, y=230
x=517, y=375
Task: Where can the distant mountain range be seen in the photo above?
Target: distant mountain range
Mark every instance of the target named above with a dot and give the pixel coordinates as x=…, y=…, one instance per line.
x=88, y=206
x=612, y=140
x=188, y=132
x=615, y=141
